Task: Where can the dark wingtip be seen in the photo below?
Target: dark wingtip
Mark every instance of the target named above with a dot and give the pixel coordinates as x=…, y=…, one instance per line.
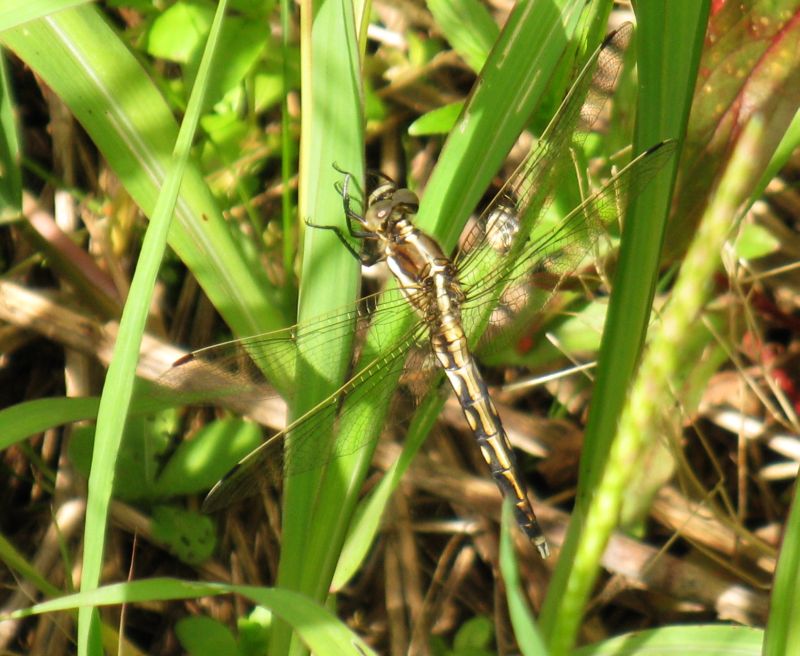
x=183, y=360
x=623, y=31
x=214, y=500
x=666, y=143
x=210, y=505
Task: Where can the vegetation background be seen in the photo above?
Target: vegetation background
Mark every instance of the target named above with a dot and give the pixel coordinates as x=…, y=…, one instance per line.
x=667, y=501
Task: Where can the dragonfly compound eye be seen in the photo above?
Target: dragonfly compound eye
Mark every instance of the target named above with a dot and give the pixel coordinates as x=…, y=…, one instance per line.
x=406, y=199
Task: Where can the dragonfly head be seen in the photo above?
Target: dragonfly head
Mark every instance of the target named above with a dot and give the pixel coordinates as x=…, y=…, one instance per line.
x=387, y=204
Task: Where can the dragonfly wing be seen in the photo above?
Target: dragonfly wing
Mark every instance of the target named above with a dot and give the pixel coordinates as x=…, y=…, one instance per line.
x=244, y=374
x=509, y=244
x=556, y=253
x=258, y=470
x=357, y=404
x=507, y=221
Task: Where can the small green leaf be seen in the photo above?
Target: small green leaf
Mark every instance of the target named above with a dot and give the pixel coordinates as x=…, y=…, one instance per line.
x=374, y=107
x=189, y=535
x=203, y=636
x=438, y=121
x=468, y=26
x=180, y=32
x=422, y=50
x=242, y=41
x=138, y=462
x=755, y=241
x=254, y=632
x=200, y=462
x=268, y=90
x=475, y=633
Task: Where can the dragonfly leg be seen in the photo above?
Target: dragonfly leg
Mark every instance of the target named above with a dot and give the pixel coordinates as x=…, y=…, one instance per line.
x=367, y=259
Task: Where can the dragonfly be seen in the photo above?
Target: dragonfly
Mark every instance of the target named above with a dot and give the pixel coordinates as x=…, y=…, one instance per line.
x=452, y=301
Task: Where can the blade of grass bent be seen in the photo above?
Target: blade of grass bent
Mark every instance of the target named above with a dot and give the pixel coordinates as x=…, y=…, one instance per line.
x=14, y=14
x=645, y=405
x=320, y=629
x=118, y=387
x=661, y=77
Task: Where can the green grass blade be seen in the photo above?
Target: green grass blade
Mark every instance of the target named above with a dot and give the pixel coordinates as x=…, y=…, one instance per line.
x=645, y=406
x=118, y=387
x=698, y=640
x=22, y=420
x=661, y=77
x=320, y=630
x=525, y=630
x=783, y=629
x=11, y=180
x=85, y=63
x=629, y=309
x=468, y=27
x=515, y=77
x=14, y=14
x=316, y=508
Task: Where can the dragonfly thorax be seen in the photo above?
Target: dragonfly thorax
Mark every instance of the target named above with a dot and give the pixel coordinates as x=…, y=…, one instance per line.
x=425, y=275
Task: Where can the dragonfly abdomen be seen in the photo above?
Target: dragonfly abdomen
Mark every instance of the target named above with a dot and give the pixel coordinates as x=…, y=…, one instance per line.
x=427, y=278
x=484, y=421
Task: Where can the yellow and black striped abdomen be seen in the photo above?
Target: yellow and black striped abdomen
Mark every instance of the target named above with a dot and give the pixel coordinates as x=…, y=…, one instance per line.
x=450, y=346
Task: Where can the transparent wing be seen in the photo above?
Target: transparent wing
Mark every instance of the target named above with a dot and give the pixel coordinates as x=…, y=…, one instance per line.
x=508, y=220
x=497, y=251
x=242, y=373
x=559, y=251
x=300, y=447
x=508, y=244
x=246, y=374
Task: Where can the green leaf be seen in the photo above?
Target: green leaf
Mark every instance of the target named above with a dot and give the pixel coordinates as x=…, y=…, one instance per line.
x=144, y=439
x=203, y=636
x=438, y=121
x=14, y=14
x=179, y=32
x=783, y=630
x=468, y=26
x=668, y=45
x=699, y=640
x=476, y=633
x=11, y=178
x=201, y=461
x=188, y=534
x=754, y=241
x=242, y=41
x=318, y=628
x=525, y=629
x=254, y=631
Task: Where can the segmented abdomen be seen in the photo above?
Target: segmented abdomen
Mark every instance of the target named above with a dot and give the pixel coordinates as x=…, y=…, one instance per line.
x=450, y=346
